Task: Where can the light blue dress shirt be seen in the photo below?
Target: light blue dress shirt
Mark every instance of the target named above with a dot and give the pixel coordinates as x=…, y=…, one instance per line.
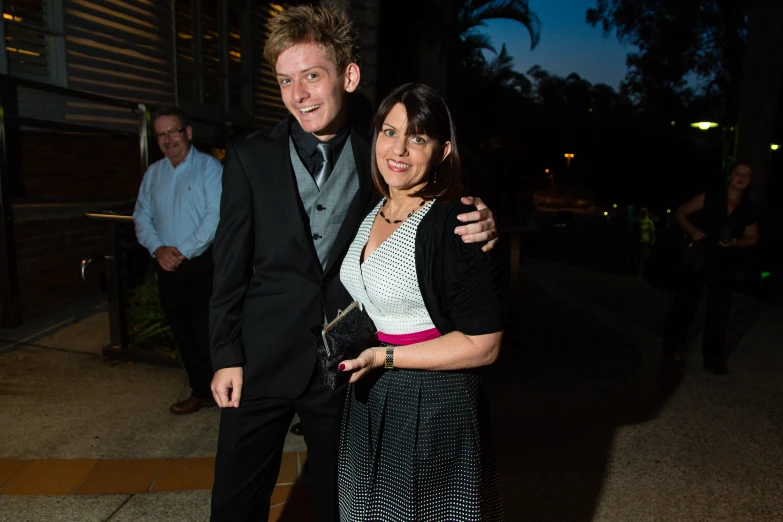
x=180, y=206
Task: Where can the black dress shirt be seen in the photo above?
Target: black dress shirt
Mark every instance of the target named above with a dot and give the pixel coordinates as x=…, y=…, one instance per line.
x=306, y=144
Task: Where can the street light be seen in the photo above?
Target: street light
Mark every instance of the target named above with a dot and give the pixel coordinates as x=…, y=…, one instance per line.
x=728, y=141
x=774, y=146
x=568, y=156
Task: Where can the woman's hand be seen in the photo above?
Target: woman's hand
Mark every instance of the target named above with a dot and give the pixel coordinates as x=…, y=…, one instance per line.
x=369, y=359
x=697, y=234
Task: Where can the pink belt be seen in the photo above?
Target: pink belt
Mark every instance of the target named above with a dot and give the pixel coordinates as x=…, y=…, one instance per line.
x=411, y=338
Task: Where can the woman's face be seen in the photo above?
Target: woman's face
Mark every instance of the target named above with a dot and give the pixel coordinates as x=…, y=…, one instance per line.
x=405, y=161
x=740, y=177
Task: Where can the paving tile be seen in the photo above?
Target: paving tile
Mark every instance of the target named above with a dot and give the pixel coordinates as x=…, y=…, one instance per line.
x=121, y=476
x=297, y=507
x=280, y=495
x=60, y=508
x=301, y=457
x=9, y=469
x=49, y=477
x=275, y=513
x=289, y=468
x=185, y=475
x=172, y=506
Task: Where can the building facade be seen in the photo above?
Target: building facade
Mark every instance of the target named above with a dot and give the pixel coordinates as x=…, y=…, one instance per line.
x=78, y=79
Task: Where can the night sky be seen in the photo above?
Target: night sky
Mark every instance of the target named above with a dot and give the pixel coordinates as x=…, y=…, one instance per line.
x=568, y=43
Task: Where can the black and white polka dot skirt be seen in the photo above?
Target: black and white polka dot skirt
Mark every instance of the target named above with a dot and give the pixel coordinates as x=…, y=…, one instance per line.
x=416, y=446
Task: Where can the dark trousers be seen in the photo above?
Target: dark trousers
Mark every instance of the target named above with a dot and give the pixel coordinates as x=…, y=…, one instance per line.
x=683, y=308
x=185, y=295
x=250, y=447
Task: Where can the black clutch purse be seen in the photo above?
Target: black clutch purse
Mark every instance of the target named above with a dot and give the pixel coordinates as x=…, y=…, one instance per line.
x=345, y=337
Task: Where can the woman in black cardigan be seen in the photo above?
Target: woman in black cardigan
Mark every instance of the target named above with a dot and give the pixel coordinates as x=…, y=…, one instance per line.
x=415, y=441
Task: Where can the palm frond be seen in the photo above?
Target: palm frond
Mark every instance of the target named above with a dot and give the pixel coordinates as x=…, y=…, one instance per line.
x=477, y=41
x=474, y=14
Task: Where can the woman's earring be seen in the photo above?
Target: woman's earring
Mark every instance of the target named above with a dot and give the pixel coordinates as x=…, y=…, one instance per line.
x=435, y=176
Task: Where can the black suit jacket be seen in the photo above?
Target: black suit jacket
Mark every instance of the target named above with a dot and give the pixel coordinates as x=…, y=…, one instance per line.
x=269, y=287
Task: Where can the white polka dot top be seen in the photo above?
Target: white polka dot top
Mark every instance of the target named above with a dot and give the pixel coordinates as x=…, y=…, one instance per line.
x=386, y=283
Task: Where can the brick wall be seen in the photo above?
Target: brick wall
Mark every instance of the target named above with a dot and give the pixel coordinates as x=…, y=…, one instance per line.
x=79, y=166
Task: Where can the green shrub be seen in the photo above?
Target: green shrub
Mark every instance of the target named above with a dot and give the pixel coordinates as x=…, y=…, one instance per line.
x=147, y=325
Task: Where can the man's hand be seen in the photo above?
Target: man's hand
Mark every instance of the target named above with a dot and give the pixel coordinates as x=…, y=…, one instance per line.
x=369, y=359
x=227, y=387
x=482, y=226
x=730, y=243
x=169, y=258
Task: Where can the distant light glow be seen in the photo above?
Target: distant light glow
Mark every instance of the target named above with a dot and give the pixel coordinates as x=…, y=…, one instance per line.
x=668, y=211
x=546, y=171
x=568, y=155
x=765, y=275
x=12, y=17
x=614, y=206
x=606, y=213
x=673, y=122
x=774, y=146
x=704, y=125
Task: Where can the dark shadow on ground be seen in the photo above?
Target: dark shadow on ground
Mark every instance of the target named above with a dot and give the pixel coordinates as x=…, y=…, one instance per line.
x=744, y=314
x=563, y=385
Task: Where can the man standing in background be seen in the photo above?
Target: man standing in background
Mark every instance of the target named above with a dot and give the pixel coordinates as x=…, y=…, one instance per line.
x=176, y=216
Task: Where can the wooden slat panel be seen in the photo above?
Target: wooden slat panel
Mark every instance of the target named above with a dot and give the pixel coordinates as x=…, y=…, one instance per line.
x=118, y=48
x=27, y=49
x=268, y=108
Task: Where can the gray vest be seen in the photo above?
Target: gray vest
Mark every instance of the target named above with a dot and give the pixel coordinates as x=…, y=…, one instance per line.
x=326, y=208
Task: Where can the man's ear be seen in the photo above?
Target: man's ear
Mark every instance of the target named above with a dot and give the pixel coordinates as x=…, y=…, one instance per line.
x=189, y=132
x=353, y=76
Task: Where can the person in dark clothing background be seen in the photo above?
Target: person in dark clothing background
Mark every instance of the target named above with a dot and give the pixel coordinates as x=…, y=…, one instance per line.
x=726, y=221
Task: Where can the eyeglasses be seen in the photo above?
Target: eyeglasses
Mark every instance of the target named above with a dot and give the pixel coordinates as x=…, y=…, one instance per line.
x=173, y=133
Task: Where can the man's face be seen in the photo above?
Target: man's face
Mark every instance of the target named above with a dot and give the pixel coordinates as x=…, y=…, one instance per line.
x=313, y=90
x=173, y=138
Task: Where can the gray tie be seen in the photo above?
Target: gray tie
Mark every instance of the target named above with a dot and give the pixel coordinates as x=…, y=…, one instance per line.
x=325, y=168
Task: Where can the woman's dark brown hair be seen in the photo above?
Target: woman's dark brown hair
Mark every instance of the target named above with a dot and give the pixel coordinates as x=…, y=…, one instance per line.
x=429, y=115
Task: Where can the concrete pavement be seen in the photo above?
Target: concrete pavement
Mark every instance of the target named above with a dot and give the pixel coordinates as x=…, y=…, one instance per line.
x=586, y=428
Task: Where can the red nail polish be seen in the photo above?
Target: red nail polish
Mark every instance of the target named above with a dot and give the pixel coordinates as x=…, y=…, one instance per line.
x=341, y=367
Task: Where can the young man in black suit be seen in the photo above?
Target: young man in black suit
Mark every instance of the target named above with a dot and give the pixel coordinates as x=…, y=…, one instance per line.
x=293, y=197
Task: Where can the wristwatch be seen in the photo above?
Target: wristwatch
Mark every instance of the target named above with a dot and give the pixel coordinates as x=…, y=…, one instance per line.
x=389, y=362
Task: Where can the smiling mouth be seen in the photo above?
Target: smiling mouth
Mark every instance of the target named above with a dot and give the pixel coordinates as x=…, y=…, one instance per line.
x=311, y=108
x=396, y=165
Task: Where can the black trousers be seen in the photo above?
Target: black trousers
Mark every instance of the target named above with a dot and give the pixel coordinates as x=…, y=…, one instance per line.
x=185, y=295
x=250, y=447
x=683, y=308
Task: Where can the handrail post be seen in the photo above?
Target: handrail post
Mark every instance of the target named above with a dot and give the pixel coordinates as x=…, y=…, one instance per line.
x=9, y=162
x=115, y=279
x=144, y=151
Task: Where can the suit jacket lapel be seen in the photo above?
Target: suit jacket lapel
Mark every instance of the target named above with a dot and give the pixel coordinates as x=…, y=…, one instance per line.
x=283, y=183
x=359, y=206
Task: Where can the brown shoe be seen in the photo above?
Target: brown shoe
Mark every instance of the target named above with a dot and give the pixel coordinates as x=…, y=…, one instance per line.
x=191, y=405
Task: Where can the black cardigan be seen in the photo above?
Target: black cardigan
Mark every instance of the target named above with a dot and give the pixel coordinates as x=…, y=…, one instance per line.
x=459, y=283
